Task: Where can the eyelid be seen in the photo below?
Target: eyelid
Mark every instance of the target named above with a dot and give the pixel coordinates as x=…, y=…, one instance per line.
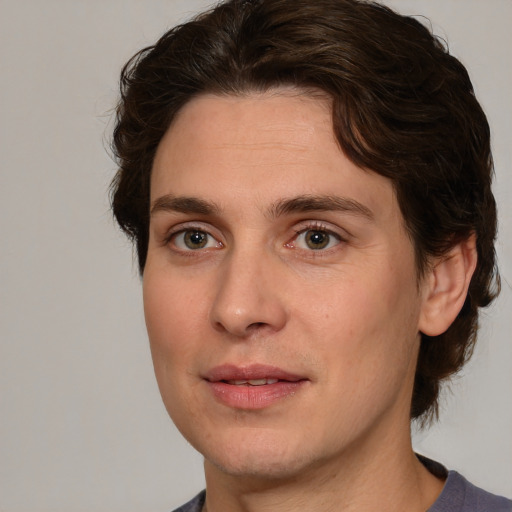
x=183, y=227
x=342, y=235
x=336, y=232
x=329, y=228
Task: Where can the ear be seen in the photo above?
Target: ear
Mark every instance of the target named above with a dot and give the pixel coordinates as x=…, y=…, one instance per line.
x=446, y=287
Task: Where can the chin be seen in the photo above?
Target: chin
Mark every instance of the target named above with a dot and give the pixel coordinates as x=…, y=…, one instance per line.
x=260, y=456
x=259, y=466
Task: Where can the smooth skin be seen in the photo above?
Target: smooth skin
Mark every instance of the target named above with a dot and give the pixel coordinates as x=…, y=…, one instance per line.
x=268, y=246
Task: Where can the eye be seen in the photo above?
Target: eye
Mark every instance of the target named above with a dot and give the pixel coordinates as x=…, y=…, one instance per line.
x=315, y=239
x=194, y=239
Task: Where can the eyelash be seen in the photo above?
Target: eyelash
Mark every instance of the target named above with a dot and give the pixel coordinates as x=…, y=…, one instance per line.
x=320, y=228
x=312, y=226
x=188, y=229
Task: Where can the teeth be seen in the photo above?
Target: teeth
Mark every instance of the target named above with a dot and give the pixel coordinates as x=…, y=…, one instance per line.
x=252, y=382
x=258, y=382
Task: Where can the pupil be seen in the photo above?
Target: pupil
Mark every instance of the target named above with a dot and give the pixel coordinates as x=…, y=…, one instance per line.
x=195, y=239
x=317, y=239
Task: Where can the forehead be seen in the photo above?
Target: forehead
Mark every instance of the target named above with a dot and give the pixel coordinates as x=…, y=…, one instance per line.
x=278, y=123
x=261, y=147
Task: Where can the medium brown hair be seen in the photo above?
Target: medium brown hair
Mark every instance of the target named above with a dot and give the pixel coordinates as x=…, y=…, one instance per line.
x=402, y=106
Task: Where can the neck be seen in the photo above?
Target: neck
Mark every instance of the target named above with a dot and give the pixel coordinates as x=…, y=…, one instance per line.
x=384, y=476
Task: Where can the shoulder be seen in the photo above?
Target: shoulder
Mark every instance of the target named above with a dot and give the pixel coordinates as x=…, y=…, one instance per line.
x=194, y=505
x=459, y=495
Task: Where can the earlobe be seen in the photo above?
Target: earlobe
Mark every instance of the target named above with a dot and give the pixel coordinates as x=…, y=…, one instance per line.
x=447, y=285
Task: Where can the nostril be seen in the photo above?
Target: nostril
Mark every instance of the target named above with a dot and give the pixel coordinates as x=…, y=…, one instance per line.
x=256, y=325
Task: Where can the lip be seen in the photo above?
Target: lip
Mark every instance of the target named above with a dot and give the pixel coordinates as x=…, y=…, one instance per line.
x=283, y=384
x=228, y=372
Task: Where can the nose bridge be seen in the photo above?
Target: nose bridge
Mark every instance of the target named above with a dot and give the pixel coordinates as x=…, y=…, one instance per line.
x=247, y=296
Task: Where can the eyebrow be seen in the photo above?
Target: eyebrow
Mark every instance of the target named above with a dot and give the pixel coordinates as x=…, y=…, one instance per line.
x=321, y=203
x=298, y=204
x=185, y=204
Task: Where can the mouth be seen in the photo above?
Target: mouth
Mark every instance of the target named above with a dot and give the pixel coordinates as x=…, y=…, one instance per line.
x=252, y=382
x=252, y=387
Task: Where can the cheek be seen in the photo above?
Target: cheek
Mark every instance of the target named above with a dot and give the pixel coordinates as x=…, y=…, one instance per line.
x=367, y=324
x=173, y=315
x=171, y=320
x=369, y=346
x=172, y=306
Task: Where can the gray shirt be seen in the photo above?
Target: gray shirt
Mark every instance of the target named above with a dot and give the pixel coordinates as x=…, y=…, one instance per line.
x=458, y=495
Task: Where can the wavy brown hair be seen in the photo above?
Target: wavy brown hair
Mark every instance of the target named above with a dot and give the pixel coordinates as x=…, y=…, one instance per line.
x=402, y=106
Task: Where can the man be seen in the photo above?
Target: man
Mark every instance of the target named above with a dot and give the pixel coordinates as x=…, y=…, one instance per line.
x=308, y=185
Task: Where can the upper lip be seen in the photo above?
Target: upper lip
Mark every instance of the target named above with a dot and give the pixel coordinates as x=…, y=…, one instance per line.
x=231, y=372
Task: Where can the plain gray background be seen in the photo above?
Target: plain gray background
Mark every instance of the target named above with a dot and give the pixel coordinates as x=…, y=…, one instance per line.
x=82, y=427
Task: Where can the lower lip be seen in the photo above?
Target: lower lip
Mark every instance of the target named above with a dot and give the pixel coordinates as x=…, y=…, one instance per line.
x=254, y=397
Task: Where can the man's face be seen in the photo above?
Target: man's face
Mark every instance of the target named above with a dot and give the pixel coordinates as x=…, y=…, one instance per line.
x=280, y=289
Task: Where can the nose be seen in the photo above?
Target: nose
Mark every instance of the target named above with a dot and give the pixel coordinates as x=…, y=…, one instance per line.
x=249, y=296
